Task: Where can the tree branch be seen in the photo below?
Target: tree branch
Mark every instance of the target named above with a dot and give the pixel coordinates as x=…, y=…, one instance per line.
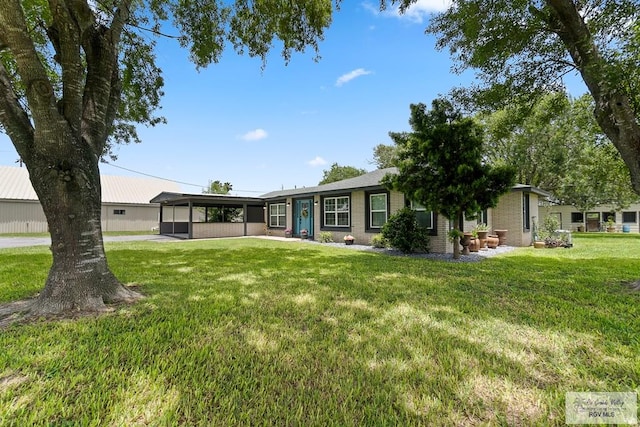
x=13, y=117
x=38, y=88
x=103, y=87
x=70, y=19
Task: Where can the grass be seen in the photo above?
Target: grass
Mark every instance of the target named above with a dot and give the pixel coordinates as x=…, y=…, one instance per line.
x=278, y=333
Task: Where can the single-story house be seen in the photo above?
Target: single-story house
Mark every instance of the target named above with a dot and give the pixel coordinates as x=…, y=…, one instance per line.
x=595, y=219
x=125, y=202
x=357, y=206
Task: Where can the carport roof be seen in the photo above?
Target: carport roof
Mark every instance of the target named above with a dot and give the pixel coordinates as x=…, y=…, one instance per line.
x=183, y=199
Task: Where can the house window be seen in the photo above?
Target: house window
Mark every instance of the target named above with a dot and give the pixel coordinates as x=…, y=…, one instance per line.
x=483, y=217
x=336, y=211
x=629, y=216
x=423, y=216
x=577, y=217
x=526, y=212
x=277, y=215
x=119, y=211
x=377, y=210
x=607, y=215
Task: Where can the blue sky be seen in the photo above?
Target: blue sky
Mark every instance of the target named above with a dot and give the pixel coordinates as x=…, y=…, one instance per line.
x=263, y=130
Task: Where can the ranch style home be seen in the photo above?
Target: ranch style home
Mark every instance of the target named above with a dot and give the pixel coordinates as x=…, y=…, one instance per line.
x=357, y=206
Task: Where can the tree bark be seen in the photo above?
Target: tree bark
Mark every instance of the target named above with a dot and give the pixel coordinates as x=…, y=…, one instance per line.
x=79, y=278
x=61, y=140
x=613, y=110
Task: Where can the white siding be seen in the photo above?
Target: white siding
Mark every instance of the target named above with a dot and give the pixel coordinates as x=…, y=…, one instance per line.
x=22, y=216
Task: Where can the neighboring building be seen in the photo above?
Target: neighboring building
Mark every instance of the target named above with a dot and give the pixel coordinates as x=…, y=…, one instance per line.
x=125, y=202
x=357, y=206
x=595, y=219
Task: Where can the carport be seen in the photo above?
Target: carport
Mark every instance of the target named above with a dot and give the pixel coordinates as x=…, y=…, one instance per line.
x=198, y=216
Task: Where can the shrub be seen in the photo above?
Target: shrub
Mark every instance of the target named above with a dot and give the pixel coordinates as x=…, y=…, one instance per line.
x=326, y=237
x=379, y=241
x=403, y=232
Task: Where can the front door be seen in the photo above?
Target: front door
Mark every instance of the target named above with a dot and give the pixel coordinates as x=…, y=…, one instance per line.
x=303, y=217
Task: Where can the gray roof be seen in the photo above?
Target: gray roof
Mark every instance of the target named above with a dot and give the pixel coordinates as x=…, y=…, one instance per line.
x=15, y=185
x=368, y=180
x=183, y=199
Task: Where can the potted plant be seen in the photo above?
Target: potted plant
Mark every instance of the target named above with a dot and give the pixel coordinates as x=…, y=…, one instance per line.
x=287, y=232
x=304, y=233
x=348, y=239
x=483, y=232
x=611, y=224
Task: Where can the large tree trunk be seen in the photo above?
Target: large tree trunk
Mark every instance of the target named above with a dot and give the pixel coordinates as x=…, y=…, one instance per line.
x=61, y=136
x=69, y=191
x=613, y=110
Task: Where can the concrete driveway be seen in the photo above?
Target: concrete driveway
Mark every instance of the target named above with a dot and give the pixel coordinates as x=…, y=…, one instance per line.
x=18, y=242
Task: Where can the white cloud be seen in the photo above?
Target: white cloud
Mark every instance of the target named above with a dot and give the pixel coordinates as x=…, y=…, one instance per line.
x=255, y=135
x=318, y=161
x=416, y=13
x=345, y=78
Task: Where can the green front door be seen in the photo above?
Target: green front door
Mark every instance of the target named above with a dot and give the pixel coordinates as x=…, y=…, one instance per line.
x=303, y=217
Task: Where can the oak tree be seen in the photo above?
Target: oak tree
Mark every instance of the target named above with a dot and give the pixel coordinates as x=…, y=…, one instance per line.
x=77, y=75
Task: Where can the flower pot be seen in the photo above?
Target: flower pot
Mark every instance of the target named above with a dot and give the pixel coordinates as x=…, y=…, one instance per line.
x=502, y=237
x=539, y=245
x=348, y=242
x=482, y=236
x=492, y=241
x=465, y=241
x=474, y=245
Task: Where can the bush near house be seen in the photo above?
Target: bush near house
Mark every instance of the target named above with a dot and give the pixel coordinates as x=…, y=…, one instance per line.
x=403, y=232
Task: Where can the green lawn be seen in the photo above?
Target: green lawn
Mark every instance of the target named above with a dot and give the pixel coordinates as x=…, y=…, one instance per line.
x=250, y=331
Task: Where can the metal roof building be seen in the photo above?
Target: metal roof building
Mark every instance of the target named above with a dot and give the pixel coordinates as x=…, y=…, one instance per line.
x=125, y=202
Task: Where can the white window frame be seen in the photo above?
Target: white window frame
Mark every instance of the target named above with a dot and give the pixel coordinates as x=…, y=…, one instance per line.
x=280, y=215
x=372, y=211
x=335, y=213
x=417, y=207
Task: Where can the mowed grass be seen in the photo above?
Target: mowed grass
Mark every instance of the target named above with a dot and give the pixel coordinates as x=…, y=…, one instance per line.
x=248, y=331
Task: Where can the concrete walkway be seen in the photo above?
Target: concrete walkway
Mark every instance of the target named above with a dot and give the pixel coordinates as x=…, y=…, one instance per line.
x=19, y=242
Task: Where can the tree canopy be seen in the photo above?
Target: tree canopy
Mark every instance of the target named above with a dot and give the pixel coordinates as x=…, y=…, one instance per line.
x=558, y=146
x=218, y=187
x=440, y=164
x=385, y=156
x=523, y=49
x=338, y=173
